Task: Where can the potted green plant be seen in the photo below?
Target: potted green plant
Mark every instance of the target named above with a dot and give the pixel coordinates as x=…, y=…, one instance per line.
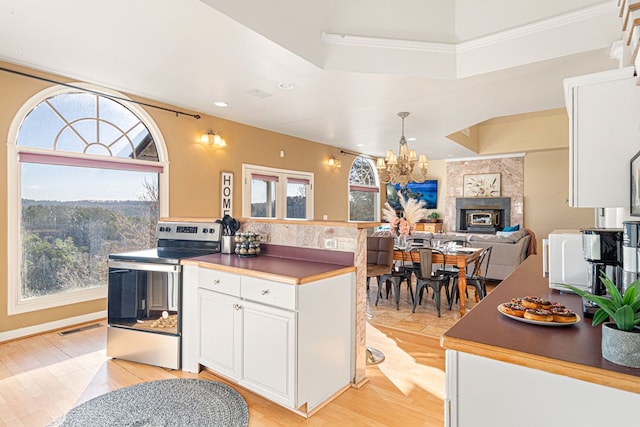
x=433, y=216
x=621, y=337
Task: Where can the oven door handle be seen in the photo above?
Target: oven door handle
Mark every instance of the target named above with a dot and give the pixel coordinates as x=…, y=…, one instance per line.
x=172, y=293
x=144, y=266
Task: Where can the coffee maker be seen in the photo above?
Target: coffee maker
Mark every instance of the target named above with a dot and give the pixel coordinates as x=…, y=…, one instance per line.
x=603, y=252
x=630, y=253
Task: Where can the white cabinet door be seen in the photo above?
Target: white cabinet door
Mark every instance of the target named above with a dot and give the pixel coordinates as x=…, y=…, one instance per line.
x=478, y=392
x=220, y=331
x=269, y=352
x=604, y=134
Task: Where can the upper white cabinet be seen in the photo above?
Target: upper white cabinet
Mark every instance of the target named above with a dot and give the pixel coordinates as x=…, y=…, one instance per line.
x=604, y=134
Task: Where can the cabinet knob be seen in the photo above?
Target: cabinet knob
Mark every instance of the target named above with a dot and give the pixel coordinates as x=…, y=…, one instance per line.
x=237, y=306
x=265, y=291
x=216, y=282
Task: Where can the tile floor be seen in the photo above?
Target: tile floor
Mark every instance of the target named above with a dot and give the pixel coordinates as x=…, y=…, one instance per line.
x=425, y=320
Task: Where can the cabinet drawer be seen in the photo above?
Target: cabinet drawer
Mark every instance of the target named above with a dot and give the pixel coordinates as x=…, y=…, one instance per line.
x=268, y=292
x=219, y=281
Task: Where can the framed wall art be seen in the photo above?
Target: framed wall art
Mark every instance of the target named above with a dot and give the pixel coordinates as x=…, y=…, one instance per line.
x=635, y=185
x=482, y=185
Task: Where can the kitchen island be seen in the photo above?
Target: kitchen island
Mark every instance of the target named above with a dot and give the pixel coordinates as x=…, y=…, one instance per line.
x=502, y=372
x=263, y=322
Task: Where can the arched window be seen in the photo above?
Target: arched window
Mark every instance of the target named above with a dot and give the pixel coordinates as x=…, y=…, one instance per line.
x=85, y=174
x=364, y=191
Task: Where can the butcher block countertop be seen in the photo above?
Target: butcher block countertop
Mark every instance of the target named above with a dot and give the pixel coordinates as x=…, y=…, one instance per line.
x=295, y=266
x=573, y=351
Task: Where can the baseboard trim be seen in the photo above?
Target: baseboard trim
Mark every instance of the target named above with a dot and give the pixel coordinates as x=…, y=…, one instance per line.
x=50, y=326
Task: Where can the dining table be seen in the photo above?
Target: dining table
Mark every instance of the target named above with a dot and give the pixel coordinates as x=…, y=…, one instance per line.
x=460, y=257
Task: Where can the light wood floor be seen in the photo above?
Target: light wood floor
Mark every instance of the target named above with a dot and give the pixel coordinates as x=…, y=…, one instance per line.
x=44, y=376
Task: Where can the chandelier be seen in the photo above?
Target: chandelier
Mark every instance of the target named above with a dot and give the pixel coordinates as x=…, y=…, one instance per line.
x=405, y=166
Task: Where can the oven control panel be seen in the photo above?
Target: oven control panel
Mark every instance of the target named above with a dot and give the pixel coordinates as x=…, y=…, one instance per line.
x=204, y=231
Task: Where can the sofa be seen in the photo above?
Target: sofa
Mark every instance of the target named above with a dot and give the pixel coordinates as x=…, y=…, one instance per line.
x=509, y=248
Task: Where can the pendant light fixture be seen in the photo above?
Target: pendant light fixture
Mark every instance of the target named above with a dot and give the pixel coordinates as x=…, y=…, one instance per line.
x=404, y=167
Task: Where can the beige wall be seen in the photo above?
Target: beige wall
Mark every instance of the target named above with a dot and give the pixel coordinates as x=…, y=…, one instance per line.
x=544, y=137
x=195, y=172
x=546, y=195
x=543, y=130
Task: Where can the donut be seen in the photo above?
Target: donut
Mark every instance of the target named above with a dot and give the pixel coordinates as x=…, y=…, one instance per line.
x=518, y=310
x=539, y=315
x=516, y=301
x=530, y=302
x=544, y=303
x=565, y=316
x=513, y=309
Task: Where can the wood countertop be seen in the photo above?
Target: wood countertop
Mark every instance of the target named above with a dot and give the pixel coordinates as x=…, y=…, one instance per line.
x=573, y=351
x=276, y=268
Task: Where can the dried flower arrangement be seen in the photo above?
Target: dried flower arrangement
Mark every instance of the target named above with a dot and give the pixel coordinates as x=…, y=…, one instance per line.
x=412, y=212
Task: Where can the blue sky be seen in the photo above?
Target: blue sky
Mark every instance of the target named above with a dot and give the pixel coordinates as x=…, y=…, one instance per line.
x=67, y=183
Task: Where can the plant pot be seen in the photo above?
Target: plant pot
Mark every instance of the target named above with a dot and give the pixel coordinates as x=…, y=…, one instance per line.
x=621, y=347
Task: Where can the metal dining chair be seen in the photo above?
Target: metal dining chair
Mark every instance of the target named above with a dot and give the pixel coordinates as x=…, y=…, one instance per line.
x=401, y=271
x=425, y=278
x=477, y=278
x=451, y=270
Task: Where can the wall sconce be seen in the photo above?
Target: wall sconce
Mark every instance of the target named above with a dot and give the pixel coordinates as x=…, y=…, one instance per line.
x=333, y=162
x=212, y=138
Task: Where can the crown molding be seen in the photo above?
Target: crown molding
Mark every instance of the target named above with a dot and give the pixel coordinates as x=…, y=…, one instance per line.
x=378, y=42
x=497, y=156
x=538, y=27
x=523, y=31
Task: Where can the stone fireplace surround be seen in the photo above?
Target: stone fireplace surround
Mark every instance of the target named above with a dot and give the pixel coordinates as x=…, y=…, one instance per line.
x=496, y=210
x=511, y=169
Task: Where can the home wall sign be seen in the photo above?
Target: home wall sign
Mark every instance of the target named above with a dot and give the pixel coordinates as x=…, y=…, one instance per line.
x=482, y=185
x=226, y=194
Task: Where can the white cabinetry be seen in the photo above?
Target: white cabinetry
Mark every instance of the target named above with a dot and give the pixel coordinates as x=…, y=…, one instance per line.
x=604, y=134
x=269, y=352
x=220, y=321
x=273, y=338
x=487, y=392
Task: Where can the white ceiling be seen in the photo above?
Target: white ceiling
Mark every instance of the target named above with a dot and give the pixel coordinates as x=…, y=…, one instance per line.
x=354, y=63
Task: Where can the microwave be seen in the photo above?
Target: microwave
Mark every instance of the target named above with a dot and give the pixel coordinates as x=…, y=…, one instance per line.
x=563, y=260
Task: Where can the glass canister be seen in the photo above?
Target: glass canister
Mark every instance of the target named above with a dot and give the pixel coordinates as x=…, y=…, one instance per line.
x=247, y=244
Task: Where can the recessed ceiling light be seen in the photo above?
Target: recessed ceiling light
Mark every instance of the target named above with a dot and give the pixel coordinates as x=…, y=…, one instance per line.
x=411, y=139
x=286, y=86
x=221, y=104
x=359, y=145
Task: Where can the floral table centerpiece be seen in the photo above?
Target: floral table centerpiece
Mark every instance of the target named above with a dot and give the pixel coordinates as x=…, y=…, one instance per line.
x=402, y=226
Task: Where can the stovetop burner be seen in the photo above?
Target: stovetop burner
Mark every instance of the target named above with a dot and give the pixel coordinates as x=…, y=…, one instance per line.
x=176, y=241
x=162, y=255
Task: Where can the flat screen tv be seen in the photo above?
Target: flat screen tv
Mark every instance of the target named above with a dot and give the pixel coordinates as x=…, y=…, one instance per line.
x=427, y=191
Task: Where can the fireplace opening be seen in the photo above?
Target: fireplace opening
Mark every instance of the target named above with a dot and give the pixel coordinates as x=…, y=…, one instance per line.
x=482, y=215
x=491, y=218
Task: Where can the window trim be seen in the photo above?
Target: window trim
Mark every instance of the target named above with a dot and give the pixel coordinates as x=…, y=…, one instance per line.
x=281, y=177
x=14, y=304
x=367, y=189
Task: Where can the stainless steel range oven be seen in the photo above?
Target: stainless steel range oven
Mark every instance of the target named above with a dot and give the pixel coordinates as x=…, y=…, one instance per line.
x=145, y=291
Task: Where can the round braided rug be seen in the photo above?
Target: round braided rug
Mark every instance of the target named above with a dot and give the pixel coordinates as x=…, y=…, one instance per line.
x=174, y=402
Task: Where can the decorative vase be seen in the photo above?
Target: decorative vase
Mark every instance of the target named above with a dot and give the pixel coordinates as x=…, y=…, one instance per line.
x=621, y=347
x=402, y=242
